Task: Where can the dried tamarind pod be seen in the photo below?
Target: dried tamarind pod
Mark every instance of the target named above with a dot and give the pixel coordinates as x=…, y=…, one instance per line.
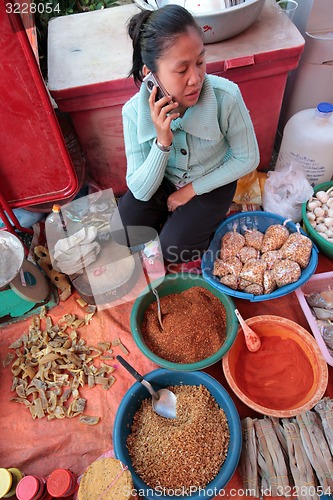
x=253, y=238
x=285, y=272
x=298, y=247
x=274, y=237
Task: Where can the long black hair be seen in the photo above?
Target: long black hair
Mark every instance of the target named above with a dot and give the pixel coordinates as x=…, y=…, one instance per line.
x=153, y=32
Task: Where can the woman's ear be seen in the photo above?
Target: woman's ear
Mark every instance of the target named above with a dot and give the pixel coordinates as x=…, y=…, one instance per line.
x=145, y=70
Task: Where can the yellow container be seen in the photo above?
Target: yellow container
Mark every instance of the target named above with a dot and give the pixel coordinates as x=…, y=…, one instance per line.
x=6, y=480
x=16, y=478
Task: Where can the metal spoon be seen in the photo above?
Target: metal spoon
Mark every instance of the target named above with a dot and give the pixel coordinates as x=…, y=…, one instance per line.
x=252, y=340
x=164, y=401
x=159, y=310
x=155, y=292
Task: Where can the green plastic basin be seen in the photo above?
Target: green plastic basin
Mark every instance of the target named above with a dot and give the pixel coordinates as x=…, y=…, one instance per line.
x=173, y=284
x=325, y=247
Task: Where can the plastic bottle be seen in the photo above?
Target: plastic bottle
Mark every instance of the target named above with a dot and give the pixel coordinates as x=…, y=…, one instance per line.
x=308, y=140
x=55, y=230
x=32, y=488
x=61, y=483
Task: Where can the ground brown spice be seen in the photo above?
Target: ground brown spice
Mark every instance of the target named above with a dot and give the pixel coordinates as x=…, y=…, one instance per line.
x=194, y=324
x=182, y=453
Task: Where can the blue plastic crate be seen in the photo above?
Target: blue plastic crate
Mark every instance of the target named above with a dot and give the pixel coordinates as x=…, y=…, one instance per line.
x=252, y=220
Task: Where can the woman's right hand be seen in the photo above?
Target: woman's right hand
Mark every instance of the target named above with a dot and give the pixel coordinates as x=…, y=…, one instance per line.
x=162, y=116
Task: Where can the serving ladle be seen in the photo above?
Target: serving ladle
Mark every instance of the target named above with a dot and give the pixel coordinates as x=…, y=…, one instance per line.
x=164, y=401
x=252, y=341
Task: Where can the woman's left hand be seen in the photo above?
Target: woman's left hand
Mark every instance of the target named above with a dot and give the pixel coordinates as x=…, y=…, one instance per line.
x=180, y=197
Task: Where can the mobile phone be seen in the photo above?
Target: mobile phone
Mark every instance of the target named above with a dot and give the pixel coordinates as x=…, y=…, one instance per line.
x=152, y=81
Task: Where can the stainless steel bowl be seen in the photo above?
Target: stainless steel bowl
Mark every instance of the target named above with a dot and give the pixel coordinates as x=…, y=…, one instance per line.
x=217, y=19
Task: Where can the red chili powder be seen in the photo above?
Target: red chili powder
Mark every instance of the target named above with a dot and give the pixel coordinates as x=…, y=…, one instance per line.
x=278, y=376
x=194, y=326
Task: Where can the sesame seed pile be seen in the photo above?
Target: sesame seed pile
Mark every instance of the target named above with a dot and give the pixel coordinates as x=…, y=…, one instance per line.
x=184, y=452
x=194, y=326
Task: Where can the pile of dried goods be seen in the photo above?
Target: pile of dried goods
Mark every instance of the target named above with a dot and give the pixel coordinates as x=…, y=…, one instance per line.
x=319, y=210
x=289, y=458
x=321, y=305
x=194, y=326
x=182, y=453
x=258, y=263
x=51, y=362
x=107, y=479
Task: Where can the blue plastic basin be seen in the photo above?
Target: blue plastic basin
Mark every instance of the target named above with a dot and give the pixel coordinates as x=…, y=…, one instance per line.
x=160, y=378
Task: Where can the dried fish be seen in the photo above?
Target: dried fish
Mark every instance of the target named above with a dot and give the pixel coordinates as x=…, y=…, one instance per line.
x=322, y=299
x=123, y=349
x=51, y=364
x=327, y=333
x=316, y=447
x=88, y=318
x=85, y=419
x=324, y=408
x=248, y=461
x=91, y=309
x=270, y=450
x=20, y=391
x=81, y=302
x=300, y=466
x=8, y=359
x=105, y=346
x=78, y=405
x=66, y=395
x=322, y=313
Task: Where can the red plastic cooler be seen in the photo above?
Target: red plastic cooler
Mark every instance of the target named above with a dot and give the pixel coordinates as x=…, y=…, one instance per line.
x=90, y=57
x=35, y=166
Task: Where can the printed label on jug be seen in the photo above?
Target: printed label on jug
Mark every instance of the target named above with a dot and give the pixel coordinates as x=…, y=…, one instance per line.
x=314, y=171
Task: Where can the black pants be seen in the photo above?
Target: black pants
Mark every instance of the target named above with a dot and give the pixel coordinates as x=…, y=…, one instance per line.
x=185, y=233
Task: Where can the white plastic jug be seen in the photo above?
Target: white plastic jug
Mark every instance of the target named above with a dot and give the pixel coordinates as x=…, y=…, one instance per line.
x=308, y=140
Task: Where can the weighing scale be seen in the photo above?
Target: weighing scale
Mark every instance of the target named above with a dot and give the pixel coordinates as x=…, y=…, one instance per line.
x=23, y=287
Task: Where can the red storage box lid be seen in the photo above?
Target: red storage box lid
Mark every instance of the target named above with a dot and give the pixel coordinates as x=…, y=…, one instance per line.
x=90, y=54
x=35, y=166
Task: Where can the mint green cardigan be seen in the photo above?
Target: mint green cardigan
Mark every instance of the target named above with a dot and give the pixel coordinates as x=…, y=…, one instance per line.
x=214, y=143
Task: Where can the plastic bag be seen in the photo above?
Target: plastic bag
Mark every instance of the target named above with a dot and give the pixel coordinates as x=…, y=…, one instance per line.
x=286, y=189
x=248, y=189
